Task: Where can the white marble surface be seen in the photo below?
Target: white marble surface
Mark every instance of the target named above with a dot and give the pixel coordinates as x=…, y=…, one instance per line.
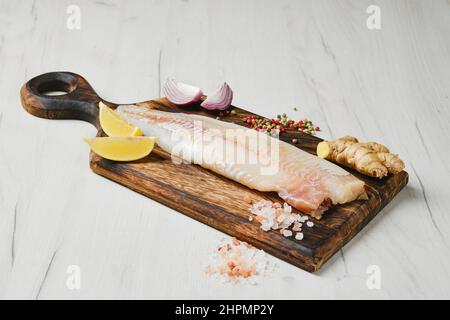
x=391, y=85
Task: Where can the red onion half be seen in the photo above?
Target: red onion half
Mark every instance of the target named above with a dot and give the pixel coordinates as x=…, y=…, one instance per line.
x=181, y=93
x=219, y=100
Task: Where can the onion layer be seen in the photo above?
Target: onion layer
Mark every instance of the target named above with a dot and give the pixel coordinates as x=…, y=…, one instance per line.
x=219, y=100
x=180, y=93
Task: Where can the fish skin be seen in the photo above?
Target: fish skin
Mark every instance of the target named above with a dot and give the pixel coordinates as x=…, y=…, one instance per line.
x=306, y=182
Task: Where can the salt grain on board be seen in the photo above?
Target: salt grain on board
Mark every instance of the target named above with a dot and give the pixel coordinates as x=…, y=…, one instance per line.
x=287, y=233
x=299, y=236
x=297, y=226
x=274, y=216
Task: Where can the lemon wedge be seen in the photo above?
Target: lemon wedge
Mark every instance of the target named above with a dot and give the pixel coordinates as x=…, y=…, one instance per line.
x=122, y=148
x=114, y=125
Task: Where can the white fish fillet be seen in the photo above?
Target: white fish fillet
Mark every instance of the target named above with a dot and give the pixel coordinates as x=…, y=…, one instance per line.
x=306, y=182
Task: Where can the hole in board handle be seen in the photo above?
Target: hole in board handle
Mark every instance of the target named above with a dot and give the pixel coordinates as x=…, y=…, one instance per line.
x=54, y=93
x=57, y=87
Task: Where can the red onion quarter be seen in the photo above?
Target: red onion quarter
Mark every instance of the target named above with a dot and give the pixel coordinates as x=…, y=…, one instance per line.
x=181, y=93
x=219, y=100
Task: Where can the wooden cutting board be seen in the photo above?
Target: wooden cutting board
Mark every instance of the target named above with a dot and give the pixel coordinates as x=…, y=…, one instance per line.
x=202, y=194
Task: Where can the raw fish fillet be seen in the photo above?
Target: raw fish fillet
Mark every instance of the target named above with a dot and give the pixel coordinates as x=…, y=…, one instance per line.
x=306, y=182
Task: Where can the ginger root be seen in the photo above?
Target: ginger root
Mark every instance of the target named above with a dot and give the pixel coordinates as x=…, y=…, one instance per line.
x=369, y=158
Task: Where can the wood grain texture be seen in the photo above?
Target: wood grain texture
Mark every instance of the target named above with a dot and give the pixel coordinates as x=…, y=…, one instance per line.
x=204, y=195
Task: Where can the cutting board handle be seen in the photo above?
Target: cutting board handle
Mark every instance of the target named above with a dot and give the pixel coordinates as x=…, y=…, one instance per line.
x=79, y=102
